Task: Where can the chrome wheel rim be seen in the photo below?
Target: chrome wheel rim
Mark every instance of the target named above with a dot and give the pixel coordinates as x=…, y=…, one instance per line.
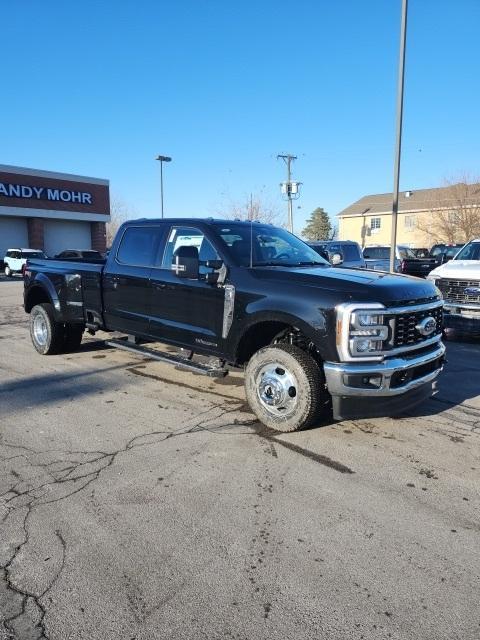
x=40, y=330
x=277, y=389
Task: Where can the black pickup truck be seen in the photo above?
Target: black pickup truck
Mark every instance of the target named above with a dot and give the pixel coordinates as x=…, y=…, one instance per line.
x=250, y=295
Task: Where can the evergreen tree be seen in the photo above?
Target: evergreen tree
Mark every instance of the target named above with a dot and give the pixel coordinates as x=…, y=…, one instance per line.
x=318, y=226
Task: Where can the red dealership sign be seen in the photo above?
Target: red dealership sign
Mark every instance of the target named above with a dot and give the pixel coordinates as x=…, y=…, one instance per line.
x=58, y=194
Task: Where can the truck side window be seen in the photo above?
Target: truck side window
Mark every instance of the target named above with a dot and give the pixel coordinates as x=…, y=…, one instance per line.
x=188, y=237
x=137, y=246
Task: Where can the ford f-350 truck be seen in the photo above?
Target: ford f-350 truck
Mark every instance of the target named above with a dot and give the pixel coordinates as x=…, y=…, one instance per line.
x=250, y=295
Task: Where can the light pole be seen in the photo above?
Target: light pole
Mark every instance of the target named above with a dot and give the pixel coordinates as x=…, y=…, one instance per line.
x=289, y=188
x=162, y=159
x=398, y=142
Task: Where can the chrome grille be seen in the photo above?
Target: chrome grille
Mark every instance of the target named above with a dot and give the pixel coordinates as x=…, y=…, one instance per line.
x=454, y=290
x=404, y=332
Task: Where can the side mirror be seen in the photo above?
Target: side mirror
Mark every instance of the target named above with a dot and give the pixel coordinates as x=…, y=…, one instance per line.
x=336, y=259
x=185, y=262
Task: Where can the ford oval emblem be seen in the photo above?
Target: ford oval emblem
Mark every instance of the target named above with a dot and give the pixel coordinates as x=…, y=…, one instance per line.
x=426, y=326
x=472, y=291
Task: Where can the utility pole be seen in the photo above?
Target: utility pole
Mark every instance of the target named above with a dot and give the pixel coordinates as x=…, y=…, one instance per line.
x=289, y=188
x=162, y=159
x=398, y=142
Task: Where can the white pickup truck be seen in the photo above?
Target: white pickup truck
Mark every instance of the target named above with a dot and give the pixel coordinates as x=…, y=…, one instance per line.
x=459, y=283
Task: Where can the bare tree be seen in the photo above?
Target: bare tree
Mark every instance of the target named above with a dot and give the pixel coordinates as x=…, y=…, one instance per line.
x=453, y=212
x=119, y=213
x=252, y=207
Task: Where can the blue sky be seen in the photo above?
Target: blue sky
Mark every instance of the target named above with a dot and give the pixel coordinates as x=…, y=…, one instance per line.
x=100, y=88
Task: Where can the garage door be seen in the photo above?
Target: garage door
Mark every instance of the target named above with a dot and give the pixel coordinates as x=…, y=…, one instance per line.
x=13, y=233
x=66, y=234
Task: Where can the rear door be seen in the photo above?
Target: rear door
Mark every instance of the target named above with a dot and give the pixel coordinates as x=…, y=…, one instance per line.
x=126, y=280
x=188, y=312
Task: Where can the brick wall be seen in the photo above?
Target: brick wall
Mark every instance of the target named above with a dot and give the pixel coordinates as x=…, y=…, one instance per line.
x=99, y=236
x=36, y=233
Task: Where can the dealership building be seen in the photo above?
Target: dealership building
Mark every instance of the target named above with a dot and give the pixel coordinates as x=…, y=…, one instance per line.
x=52, y=211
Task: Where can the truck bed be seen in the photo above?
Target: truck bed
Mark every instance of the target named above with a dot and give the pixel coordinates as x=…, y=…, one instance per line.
x=75, y=284
x=419, y=267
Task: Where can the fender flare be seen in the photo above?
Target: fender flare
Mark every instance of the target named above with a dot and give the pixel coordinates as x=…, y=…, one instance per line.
x=42, y=282
x=315, y=334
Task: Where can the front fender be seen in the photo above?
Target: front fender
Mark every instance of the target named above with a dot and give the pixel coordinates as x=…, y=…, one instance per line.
x=312, y=321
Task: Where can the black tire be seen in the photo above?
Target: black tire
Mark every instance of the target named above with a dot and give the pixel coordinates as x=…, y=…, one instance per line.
x=47, y=335
x=285, y=388
x=72, y=337
x=8, y=272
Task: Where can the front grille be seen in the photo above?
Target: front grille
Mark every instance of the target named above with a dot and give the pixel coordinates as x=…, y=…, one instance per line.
x=454, y=290
x=405, y=333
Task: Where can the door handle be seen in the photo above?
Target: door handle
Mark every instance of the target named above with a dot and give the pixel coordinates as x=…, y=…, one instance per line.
x=160, y=285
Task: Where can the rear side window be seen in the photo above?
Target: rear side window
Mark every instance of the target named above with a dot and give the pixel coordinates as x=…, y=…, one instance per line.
x=405, y=252
x=350, y=252
x=137, y=246
x=376, y=253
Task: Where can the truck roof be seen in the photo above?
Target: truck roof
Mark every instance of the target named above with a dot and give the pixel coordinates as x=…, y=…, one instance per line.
x=194, y=221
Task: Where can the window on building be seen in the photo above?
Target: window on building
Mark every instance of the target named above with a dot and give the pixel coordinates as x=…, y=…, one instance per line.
x=375, y=224
x=410, y=222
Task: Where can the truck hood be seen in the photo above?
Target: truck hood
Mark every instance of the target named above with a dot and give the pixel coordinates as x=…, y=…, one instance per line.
x=458, y=270
x=354, y=284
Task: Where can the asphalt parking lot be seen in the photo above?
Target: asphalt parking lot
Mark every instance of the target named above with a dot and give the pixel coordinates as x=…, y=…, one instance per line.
x=141, y=502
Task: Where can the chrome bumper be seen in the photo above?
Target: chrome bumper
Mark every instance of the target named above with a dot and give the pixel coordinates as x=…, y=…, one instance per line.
x=462, y=310
x=337, y=374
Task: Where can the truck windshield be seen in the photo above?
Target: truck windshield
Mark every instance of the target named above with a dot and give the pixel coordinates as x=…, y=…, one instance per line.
x=470, y=252
x=266, y=246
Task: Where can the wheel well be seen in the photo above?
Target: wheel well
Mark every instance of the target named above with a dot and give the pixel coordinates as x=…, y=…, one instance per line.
x=264, y=333
x=37, y=295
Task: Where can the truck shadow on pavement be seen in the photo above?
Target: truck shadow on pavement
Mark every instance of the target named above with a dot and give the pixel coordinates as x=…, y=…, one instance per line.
x=50, y=388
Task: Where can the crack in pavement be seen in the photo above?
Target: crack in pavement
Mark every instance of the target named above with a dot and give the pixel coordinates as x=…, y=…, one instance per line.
x=28, y=608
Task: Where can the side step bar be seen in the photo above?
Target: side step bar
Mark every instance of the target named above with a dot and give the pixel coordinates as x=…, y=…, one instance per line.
x=184, y=363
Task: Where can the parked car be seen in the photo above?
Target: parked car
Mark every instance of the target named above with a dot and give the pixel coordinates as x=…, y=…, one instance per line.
x=444, y=252
x=377, y=257
x=459, y=283
x=308, y=334
x=84, y=254
x=350, y=253
x=15, y=259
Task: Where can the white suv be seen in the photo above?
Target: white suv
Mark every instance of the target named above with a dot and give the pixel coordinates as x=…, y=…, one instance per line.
x=16, y=258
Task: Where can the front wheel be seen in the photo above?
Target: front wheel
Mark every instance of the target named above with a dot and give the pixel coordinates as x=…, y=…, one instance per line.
x=285, y=387
x=8, y=272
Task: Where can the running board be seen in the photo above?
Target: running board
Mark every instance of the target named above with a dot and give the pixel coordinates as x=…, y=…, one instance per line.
x=184, y=363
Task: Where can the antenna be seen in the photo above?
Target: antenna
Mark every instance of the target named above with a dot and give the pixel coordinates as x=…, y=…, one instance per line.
x=251, y=244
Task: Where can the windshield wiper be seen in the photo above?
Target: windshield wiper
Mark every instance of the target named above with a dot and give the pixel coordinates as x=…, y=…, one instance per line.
x=312, y=262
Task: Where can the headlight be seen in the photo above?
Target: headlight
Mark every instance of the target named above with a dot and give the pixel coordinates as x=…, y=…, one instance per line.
x=361, y=331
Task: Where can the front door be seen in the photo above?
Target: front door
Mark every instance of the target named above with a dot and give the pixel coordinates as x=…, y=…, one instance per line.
x=126, y=280
x=186, y=312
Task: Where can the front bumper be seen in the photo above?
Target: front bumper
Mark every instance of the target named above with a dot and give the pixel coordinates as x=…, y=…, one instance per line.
x=383, y=388
x=462, y=316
